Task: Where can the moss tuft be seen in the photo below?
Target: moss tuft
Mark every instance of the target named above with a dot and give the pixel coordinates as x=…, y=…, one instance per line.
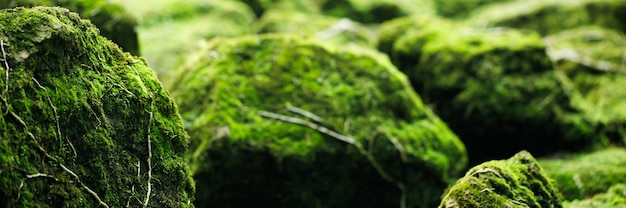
x=516, y=182
x=290, y=123
x=83, y=124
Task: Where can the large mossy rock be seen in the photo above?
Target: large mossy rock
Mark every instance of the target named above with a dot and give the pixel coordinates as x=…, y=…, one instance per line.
x=114, y=22
x=496, y=88
x=516, y=182
x=551, y=16
x=286, y=122
x=83, y=124
x=614, y=197
x=584, y=175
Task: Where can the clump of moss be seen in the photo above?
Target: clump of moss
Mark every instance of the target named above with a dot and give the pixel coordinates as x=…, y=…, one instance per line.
x=460, y=8
x=516, y=182
x=495, y=87
x=287, y=122
x=324, y=28
x=551, y=16
x=584, y=175
x=614, y=197
x=113, y=20
x=376, y=11
x=83, y=124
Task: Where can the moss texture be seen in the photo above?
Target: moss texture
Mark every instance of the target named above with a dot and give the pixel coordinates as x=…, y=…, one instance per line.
x=551, y=16
x=328, y=29
x=495, y=87
x=614, y=197
x=376, y=11
x=287, y=122
x=113, y=20
x=516, y=182
x=83, y=124
x=584, y=175
x=460, y=8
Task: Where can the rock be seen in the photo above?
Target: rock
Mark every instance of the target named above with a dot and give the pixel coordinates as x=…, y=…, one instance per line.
x=83, y=124
x=495, y=87
x=516, y=182
x=614, y=197
x=113, y=20
x=287, y=122
x=584, y=175
x=551, y=16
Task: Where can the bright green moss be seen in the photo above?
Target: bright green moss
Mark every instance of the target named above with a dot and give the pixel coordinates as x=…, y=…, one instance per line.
x=584, y=175
x=83, y=123
x=516, y=182
x=240, y=100
x=614, y=197
x=551, y=16
x=324, y=28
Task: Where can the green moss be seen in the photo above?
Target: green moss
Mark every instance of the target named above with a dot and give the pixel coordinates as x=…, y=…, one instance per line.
x=495, y=87
x=80, y=115
x=324, y=28
x=516, y=182
x=460, y=8
x=551, y=16
x=584, y=175
x=242, y=101
x=376, y=11
x=614, y=197
x=113, y=21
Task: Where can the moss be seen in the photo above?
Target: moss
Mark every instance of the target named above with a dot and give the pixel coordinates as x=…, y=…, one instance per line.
x=113, y=21
x=83, y=124
x=516, y=182
x=366, y=139
x=614, y=197
x=324, y=28
x=461, y=8
x=495, y=87
x=372, y=11
x=551, y=16
x=584, y=175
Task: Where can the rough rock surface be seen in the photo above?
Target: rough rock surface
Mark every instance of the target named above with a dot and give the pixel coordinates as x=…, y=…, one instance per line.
x=287, y=122
x=83, y=124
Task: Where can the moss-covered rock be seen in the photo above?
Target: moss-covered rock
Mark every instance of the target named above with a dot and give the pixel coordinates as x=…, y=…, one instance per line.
x=516, y=182
x=495, y=87
x=83, y=124
x=288, y=122
x=551, y=16
x=614, y=197
x=376, y=11
x=460, y=8
x=584, y=175
x=327, y=29
x=113, y=20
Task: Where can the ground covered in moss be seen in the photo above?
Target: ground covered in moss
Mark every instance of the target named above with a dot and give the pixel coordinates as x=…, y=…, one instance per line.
x=83, y=124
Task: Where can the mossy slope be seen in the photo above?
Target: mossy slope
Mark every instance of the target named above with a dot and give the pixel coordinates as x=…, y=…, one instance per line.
x=113, y=20
x=516, y=182
x=584, y=175
x=287, y=122
x=83, y=124
x=614, y=197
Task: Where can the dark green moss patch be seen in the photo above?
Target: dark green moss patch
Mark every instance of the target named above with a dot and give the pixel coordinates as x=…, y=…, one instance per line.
x=516, y=182
x=83, y=124
x=287, y=122
x=460, y=8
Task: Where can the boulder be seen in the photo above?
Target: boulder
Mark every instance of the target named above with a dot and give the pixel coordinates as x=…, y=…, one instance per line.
x=83, y=124
x=516, y=182
x=614, y=197
x=289, y=122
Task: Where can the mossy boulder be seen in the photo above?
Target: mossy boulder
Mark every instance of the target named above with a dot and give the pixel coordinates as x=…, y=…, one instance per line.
x=551, y=16
x=327, y=29
x=114, y=22
x=286, y=122
x=583, y=175
x=83, y=124
x=460, y=8
x=516, y=182
x=376, y=11
x=614, y=197
x=495, y=87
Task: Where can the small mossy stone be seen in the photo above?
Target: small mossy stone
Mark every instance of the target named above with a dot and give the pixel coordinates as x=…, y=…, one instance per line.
x=516, y=182
x=287, y=122
x=551, y=16
x=583, y=175
x=83, y=124
x=614, y=197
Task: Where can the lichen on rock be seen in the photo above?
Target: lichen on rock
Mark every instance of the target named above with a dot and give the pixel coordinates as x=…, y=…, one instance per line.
x=288, y=122
x=516, y=182
x=83, y=124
